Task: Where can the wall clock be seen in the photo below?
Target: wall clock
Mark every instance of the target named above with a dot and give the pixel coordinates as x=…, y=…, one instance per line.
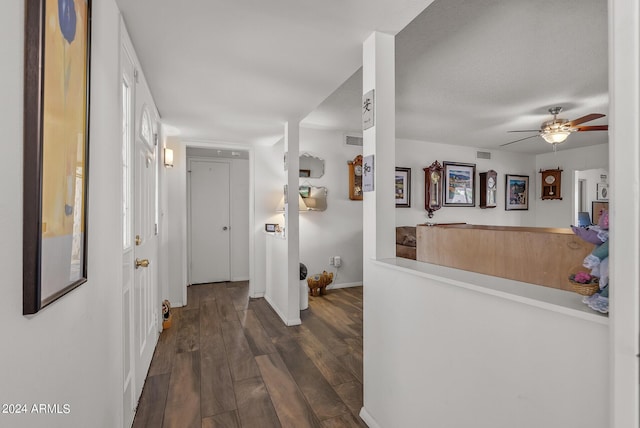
x=551, y=183
x=433, y=188
x=355, y=178
x=488, y=189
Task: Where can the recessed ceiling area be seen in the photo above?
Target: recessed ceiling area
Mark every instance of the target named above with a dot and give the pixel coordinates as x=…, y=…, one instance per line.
x=467, y=72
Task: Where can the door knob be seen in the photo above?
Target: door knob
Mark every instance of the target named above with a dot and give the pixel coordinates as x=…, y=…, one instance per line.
x=225, y=228
x=142, y=263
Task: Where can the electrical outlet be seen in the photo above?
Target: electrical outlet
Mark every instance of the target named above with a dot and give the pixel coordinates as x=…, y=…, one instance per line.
x=331, y=261
x=337, y=261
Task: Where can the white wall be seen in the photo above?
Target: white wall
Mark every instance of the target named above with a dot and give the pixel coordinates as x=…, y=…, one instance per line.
x=549, y=213
x=560, y=213
x=71, y=351
x=439, y=355
x=163, y=243
x=240, y=219
x=269, y=180
x=418, y=155
x=176, y=180
x=338, y=230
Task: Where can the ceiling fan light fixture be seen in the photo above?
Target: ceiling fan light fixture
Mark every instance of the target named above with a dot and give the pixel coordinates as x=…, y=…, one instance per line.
x=555, y=137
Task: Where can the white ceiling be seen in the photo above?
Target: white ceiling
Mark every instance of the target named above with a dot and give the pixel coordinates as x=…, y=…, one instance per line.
x=467, y=71
x=237, y=70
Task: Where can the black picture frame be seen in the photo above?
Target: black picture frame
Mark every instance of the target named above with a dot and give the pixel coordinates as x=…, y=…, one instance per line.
x=57, y=73
x=459, y=186
x=403, y=187
x=516, y=192
x=270, y=227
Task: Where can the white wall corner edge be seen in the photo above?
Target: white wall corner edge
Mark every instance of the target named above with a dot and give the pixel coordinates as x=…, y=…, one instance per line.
x=368, y=419
x=287, y=322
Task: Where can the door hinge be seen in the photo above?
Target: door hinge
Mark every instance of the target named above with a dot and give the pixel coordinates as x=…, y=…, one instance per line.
x=155, y=139
x=155, y=228
x=135, y=75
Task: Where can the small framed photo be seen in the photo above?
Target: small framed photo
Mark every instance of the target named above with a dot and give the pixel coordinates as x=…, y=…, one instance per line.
x=603, y=191
x=403, y=187
x=270, y=227
x=516, y=192
x=305, y=173
x=459, y=184
x=305, y=191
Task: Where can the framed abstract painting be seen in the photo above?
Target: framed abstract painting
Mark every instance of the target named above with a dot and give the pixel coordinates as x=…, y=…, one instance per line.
x=56, y=146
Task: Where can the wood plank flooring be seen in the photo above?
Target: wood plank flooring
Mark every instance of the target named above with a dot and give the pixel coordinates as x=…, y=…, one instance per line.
x=229, y=361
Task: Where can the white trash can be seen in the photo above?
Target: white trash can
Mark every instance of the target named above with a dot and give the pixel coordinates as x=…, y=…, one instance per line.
x=304, y=295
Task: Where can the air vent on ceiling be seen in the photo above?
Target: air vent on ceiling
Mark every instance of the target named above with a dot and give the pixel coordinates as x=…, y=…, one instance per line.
x=483, y=155
x=350, y=140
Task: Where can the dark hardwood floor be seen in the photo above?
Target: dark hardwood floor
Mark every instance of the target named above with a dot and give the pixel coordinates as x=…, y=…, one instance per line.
x=229, y=361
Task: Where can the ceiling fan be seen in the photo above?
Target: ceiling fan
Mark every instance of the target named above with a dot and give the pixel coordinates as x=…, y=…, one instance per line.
x=556, y=131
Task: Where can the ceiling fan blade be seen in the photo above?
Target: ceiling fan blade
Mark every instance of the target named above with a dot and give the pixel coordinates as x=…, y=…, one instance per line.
x=593, y=128
x=521, y=139
x=583, y=119
x=527, y=130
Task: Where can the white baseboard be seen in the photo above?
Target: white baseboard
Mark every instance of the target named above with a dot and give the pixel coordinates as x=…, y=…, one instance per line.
x=344, y=285
x=240, y=278
x=257, y=295
x=368, y=419
x=287, y=322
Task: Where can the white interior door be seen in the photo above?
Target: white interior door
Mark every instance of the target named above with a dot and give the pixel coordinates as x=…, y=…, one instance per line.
x=209, y=221
x=140, y=301
x=145, y=277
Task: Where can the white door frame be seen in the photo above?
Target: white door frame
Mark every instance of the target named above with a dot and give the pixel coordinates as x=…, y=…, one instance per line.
x=127, y=80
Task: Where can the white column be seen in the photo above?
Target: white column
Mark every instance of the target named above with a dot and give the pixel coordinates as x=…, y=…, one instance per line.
x=292, y=150
x=378, y=73
x=624, y=158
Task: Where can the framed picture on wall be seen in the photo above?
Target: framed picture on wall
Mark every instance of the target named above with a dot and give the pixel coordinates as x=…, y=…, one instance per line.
x=459, y=184
x=516, y=192
x=403, y=187
x=56, y=145
x=603, y=191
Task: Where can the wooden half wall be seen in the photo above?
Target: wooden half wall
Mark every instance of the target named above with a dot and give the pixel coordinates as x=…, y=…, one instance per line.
x=543, y=256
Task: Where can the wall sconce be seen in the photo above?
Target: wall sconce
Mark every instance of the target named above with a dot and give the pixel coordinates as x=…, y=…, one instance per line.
x=168, y=158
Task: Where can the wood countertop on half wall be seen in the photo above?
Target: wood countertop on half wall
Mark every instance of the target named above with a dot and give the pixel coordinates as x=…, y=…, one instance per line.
x=542, y=256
